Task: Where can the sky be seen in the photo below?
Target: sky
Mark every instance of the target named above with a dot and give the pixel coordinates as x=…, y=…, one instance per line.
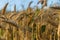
x=18, y=3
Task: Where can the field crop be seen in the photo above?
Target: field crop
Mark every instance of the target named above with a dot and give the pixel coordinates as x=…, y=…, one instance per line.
x=30, y=24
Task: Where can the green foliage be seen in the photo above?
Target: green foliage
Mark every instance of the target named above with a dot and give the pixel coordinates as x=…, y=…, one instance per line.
x=43, y=27
x=37, y=11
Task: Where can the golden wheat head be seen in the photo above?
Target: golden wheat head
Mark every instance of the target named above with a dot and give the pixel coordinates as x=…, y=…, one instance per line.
x=4, y=9
x=30, y=4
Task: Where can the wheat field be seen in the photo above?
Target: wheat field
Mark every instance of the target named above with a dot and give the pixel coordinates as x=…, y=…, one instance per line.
x=30, y=24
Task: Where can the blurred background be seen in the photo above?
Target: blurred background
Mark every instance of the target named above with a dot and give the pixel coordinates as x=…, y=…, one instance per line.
x=19, y=3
